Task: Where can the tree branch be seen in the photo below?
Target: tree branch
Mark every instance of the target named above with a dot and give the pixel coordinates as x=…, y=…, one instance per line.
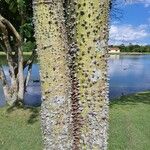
x=11, y=27
x=29, y=63
x=5, y=37
x=30, y=60
x=4, y=84
x=8, y=48
x=15, y=61
x=28, y=76
x=2, y=76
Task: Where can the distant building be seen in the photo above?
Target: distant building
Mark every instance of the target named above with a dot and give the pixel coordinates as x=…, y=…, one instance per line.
x=114, y=50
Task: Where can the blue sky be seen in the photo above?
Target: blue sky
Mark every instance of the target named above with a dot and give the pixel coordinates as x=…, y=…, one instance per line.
x=134, y=25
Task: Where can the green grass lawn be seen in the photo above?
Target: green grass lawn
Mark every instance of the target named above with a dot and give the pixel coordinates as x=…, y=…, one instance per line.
x=20, y=129
x=3, y=60
x=129, y=127
x=130, y=123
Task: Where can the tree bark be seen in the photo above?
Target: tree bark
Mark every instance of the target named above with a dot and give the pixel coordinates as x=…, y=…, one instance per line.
x=52, y=49
x=5, y=85
x=87, y=23
x=20, y=75
x=8, y=49
x=82, y=121
x=14, y=87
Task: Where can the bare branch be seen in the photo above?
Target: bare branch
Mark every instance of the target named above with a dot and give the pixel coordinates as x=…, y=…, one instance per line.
x=2, y=76
x=20, y=74
x=29, y=63
x=28, y=76
x=15, y=62
x=8, y=48
x=5, y=37
x=30, y=60
x=11, y=27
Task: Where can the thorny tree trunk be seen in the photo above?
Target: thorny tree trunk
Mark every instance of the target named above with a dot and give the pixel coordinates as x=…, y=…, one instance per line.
x=13, y=91
x=87, y=27
x=52, y=52
x=87, y=23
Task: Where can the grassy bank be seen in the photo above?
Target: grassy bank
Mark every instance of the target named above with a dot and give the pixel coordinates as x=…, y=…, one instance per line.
x=25, y=53
x=20, y=129
x=3, y=57
x=129, y=125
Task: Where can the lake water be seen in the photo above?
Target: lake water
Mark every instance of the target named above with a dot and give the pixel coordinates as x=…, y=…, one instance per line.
x=128, y=74
x=33, y=94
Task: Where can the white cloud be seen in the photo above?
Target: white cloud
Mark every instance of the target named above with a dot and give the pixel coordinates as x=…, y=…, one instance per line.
x=147, y=5
x=148, y=19
x=127, y=33
x=145, y=2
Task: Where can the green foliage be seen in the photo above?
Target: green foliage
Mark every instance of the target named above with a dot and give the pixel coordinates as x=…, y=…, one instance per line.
x=28, y=46
x=3, y=60
x=27, y=30
x=12, y=5
x=21, y=4
x=19, y=13
x=134, y=48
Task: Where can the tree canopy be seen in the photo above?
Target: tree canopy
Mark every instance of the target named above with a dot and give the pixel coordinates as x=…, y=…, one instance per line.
x=19, y=13
x=134, y=48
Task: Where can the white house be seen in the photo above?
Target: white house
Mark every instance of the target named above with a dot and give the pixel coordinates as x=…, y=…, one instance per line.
x=114, y=50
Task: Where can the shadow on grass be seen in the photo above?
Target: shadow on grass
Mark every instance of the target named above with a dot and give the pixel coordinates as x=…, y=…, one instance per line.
x=33, y=111
x=133, y=99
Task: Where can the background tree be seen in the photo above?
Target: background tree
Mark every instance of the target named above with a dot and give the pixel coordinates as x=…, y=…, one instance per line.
x=134, y=48
x=19, y=13
x=12, y=39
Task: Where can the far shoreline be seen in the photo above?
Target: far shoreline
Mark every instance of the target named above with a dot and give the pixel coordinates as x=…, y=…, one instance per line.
x=120, y=53
x=25, y=53
x=130, y=53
